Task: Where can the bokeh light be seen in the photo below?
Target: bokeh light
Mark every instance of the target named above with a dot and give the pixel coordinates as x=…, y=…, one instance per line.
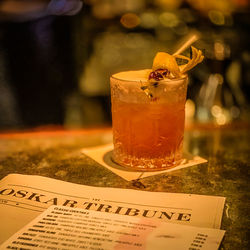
x=219, y=50
x=189, y=109
x=130, y=20
x=216, y=111
x=216, y=17
x=168, y=19
x=149, y=20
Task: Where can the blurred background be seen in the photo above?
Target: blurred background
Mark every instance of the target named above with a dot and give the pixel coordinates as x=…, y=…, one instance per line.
x=55, y=68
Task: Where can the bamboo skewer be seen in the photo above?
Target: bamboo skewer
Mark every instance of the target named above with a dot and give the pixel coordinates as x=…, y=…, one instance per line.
x=188, y=42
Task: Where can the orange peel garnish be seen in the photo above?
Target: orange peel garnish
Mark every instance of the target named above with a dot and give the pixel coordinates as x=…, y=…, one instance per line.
x=197, y=57
x=165, y=66
x=164, y=60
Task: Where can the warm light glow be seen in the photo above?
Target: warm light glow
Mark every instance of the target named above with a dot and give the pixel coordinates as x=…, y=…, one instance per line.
x=221, y=115
x=216, y=111
x=149, y=20
x=168, y=19
x=189, y=109
x=224, y=6
x=130, y=20
x=221, y=119
x=219, y=78
x=202, y=114
x=216, y=17
x=103, y=10
x=219, y=50
x=168, y=4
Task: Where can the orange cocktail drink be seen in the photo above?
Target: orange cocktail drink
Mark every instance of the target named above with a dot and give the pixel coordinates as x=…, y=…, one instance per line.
x=147, y=132
x=148, y=112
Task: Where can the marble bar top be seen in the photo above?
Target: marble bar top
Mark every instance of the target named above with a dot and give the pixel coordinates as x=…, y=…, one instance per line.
x=57, y=154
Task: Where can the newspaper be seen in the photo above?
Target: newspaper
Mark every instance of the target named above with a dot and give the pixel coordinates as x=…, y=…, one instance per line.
x=24, y=197
x=75, y=228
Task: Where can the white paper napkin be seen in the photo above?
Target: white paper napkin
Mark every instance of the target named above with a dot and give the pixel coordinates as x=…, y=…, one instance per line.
x=102, y=155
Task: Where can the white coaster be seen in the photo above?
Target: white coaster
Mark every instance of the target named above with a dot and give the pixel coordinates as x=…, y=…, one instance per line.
x=102, y=155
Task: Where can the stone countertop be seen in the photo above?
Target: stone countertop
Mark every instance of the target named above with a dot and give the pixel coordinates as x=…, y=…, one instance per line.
x=57, y=154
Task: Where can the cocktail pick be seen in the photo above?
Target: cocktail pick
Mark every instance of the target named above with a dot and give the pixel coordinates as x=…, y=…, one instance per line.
x=189, y=40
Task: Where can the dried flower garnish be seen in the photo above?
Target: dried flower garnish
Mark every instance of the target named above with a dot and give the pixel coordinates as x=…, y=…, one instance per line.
x=158, y=74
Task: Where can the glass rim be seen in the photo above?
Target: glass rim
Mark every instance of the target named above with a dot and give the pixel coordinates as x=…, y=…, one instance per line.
x=145, y=81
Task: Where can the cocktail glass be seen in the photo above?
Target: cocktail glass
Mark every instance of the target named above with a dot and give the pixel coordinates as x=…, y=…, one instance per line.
x=148, y=128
